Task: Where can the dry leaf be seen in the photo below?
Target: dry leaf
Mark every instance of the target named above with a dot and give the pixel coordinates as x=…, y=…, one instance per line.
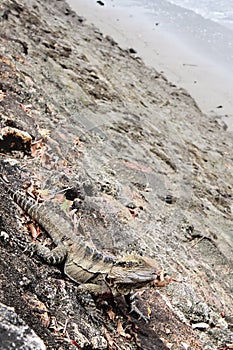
x=121, y=331
x=45, y=133
x=59, y=197
x=108, y=337
x=111, y=315
x=43, y=192
x=41, y=311
x=27, y=108
x=31, y=191
x=35, y=231
x=78, y=142
x=73, y=342
x=38, y=149
x=149, y=311
x=2, y=95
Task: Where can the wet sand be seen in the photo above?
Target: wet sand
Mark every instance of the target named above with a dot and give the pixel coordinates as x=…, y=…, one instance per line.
x=208, y=81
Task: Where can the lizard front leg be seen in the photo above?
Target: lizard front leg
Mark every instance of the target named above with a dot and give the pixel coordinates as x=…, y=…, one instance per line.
x=52, y=257
x=131, y=299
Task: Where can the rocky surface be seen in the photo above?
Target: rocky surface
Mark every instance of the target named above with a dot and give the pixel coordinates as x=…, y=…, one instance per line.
x=15, y=334
x=142, y=170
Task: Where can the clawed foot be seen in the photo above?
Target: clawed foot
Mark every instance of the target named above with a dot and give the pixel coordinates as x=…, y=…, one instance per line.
x=30, y=248
x=140, y=315
x=131, y=299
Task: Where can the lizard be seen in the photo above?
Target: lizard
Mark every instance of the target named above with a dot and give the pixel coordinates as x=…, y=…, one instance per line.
x=96, y=274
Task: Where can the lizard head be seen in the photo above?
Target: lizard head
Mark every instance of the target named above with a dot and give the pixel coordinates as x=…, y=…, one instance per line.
x=133, y=272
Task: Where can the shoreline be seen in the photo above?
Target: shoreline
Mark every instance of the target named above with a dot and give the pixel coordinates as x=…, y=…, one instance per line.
x=207, y=82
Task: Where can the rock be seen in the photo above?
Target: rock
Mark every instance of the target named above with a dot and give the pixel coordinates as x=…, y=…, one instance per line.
x=14, y=139
x=200, y=325
x=132, y=50
x=15, y=334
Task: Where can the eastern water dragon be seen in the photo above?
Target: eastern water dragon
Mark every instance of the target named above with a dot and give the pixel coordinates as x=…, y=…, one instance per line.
x=95, y=273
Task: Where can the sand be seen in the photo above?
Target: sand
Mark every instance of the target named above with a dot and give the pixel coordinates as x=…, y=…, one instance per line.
x=208, y=80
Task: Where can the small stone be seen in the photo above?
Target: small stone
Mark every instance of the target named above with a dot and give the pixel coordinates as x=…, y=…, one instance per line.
x=4, y=235
x=169, y=199
x=222, y=324
x=167, y=331
x=200, y=325
x=131, y=50
x=99, y=342
x=25, y=281
x=185, y=345
x=131, y=205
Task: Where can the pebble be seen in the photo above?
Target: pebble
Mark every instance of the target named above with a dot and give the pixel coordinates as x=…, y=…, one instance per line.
x=200, y=325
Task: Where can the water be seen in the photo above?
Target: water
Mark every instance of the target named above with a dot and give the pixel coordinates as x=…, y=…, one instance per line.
x=220, y=11
x=216, y=10
x=206, y=25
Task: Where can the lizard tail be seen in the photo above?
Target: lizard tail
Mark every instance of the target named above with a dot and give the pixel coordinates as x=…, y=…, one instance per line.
x=27, y=204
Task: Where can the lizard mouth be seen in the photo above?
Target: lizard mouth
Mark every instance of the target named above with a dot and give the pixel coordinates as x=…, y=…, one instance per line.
x=162, y=279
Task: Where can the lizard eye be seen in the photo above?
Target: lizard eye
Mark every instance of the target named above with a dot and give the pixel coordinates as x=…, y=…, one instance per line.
x=140, y=262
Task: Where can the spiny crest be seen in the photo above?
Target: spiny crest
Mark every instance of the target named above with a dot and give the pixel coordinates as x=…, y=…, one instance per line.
x=136, y=261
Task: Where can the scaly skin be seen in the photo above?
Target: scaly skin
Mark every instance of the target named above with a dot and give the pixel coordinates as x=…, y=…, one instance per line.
x=96, y=273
